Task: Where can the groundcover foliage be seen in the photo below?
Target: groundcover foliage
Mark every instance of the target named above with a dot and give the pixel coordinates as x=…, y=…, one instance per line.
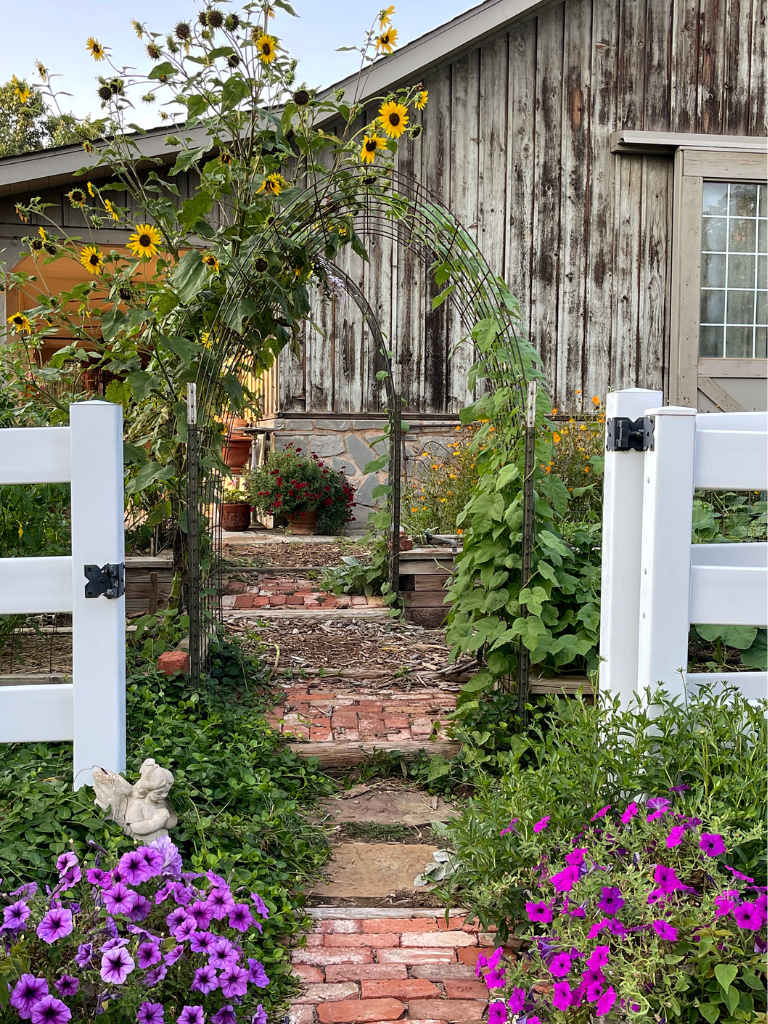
x=237, y=792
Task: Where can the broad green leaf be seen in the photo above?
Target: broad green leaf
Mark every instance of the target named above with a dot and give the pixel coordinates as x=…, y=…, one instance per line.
x=190, y=276
x=150, y=473
x=185, y=349
x=188, y=158
x=161, y=70
x=725, y=974
x=741, y=637
x=195, y=207
x=710, y=1012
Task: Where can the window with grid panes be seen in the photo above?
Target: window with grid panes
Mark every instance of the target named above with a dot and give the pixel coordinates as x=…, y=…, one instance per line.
x=734, y=273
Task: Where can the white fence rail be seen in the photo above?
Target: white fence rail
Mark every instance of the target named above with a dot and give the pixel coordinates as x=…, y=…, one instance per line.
x=655, y=583
x=90, y=712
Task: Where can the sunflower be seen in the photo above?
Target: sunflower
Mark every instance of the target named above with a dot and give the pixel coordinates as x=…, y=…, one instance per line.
x=22, y=91
x=111, y=210
x=385, y=15
x=225, y=157
x=92, y=259
x=210, y=261
x=42, y=70
x=77, y=197
x=267, y=48
x=387, y=41
x=394, y=119
x=95, y=48
x=144, y=241
x=91, y=191
x=370, y=147
x=274, y=184
x=20, y=324
x=421, y=100
x=41, y=232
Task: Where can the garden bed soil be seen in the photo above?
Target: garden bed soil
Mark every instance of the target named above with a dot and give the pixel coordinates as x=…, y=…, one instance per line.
x=28, y=652
x=290, y=554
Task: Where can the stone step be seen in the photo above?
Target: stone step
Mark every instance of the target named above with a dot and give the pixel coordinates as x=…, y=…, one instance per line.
x=339, y=754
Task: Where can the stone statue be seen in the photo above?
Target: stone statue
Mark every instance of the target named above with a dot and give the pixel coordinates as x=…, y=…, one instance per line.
x=142, y=809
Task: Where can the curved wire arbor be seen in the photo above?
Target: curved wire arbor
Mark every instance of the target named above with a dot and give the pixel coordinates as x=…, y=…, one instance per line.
x=384, y=205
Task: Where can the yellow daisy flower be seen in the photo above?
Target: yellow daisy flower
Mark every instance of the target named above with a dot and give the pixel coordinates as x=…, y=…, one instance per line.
x=370, y=147
x=274, y=184
x=266, y=47
x=387, y=41
x=210, y=261
x=92, y=259
x=144, y=241
x=20, y=323
x=421, y=100
x=95, y=48
x=394, y=118
x=111, y=210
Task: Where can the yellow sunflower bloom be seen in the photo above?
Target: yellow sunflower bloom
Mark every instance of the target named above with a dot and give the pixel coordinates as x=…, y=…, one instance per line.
x=274, y=184
x=111, y=210
x=266, y=48
x=210, y=261
x=421, y=100
x=42, y=70
x=92, y=259
x=385, y=15
x=20, y=323
x=387, y=41
x=370, y=147
x=394, y=118
x=95, y=48
x=41, y=232
x=77, y=197
x=144, y=241
x=21, y=90
x=91, y=191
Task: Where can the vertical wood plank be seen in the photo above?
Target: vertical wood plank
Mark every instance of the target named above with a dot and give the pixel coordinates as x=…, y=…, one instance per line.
x=351, y=332
x=319, y=356
x=631, y=64
x=652, y=357
x=408, y=287
x=712, y=59
x=630, y=216
x=492, y=176
x=657, y=103
x=685, y=65
x=545, y=291
x=758, y=117
x=738, y=47
x=379, y=295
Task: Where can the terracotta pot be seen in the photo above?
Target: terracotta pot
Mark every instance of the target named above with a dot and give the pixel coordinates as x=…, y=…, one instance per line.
x=235, y=516
x=236, y=451
x=302, y=524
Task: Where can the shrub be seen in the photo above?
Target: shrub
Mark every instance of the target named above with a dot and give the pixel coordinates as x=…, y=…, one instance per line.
x=577, y=458
x=137, y=942
x=441, y=487
x=291, y=482
x=634, y=915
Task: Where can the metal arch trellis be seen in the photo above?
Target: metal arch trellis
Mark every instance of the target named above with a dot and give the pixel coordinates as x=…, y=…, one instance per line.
x=385, y=205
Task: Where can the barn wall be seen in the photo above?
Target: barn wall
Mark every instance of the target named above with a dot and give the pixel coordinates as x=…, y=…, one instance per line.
x=517, y=143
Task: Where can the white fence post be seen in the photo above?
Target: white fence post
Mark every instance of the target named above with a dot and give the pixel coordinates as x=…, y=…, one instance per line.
x=622, y=524
x=665, y=577
x=98, y=633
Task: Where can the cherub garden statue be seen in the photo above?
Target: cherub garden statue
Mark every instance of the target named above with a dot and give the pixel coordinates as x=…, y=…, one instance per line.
x=142, y=809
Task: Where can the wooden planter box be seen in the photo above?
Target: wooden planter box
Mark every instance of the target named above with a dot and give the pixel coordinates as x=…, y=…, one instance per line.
x=147, y=583
x=424, y=573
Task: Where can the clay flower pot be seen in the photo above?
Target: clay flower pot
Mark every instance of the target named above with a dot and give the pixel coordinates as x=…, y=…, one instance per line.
x=235, y=516
x=302, y=524
x=237, y=448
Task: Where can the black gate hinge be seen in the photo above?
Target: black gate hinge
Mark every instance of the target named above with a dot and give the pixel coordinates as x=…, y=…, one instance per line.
x=624, y=434
x=108, y=580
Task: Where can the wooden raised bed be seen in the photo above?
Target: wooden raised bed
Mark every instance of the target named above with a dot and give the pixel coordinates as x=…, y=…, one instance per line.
x=148, y=583
x=424, y=573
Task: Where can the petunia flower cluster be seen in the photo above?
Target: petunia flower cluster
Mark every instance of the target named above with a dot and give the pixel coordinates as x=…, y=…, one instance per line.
x=168, y=945
x=610, y=910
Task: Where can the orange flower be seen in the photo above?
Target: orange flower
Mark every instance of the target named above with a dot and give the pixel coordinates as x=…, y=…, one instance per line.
x=595, y=400
x=555, y=436
x=554, y=411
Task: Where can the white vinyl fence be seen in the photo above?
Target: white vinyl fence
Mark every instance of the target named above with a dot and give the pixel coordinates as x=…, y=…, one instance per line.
x=655, y=583
x=89, y=711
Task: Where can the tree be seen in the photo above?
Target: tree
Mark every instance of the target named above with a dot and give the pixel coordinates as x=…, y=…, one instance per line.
x=27, y=123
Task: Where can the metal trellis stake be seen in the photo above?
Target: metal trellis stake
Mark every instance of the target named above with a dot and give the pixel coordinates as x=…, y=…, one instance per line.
x=193, y=536
x=524, y=657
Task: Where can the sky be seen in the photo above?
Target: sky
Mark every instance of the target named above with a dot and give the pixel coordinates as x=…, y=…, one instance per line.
x=55, y=31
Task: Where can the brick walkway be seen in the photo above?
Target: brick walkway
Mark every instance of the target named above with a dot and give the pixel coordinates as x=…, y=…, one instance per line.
x=410, y=968
x=290, y=593
x=363, y=713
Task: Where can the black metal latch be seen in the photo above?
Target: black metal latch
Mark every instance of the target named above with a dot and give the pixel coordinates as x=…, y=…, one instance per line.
x=108, y=580
x=624, y=434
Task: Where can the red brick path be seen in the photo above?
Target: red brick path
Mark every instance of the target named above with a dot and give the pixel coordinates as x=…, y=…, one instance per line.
x=409, y=969
x=290, y=593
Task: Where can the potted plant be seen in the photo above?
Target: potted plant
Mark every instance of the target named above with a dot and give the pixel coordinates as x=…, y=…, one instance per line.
x=237, y=445
x=235, y=511
x=310, y=494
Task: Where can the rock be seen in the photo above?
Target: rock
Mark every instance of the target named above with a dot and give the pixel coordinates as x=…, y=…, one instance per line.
x=360, y=451
x=326, y=445
x=173, y=661
x=142, y=809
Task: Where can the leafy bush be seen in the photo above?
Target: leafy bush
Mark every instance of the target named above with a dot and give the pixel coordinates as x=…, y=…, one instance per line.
x=441, y=487
x=238, y=793
x=577, y=458
x=290, y=482
x=359, y=577
x=142, y=937
x=634, y=914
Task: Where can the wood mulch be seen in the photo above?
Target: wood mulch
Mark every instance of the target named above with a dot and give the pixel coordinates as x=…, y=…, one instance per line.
x=292, y=555
x=27, y=652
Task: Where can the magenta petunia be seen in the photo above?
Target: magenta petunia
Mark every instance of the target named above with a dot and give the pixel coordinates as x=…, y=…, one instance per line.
x=116, y=965
x=538, y=912
x=260, y=1017
x=495, y=978
x=605, y=1002
x=261, y=907
x=725, y=902
x=594, y=991
x=560, y=965
x=565, y=880
x=221, y=902
x=67, y=986
x=592, y=976
x=615, y=927
x=749, y=917
x=611, y=900
x=711, y=844
x=256, y=973
x=155, y=976
x=601, y=813
x=233, y=981
x=15, y=916
x=205, y=980
x=148, y=954
x=667, y=879
x=28, y=991
x=50, y=1010
x=151, y=1013
x=630, y=812
x=510, y=828
x=84, y=954
x=55, y=925
x=597, y=927
x=201, y=912
x=101, y=879
x=119, y=899
x=201, y=942
x=675, y=836
x=561, y=995
x=598, y=957
x=497, y=1013
x=665, y=930
x=541, y=825
x=153, y=859
x=226, y=1015
x=516, y=1001
x=738, y=874
x=191, y=1015
x=240, y=917
x=576, y=858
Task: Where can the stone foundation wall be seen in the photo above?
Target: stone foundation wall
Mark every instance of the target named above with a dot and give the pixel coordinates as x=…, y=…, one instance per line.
x=347, y=443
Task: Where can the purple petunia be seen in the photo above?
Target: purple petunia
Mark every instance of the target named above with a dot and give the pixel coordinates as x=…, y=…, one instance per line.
x=171, y=856
x=576, y=858
x=561, y=995
x=185, y=930
x=605, y=1002
x=140, y=909
x=226, y=1015
x=611, y=901
x=67, y=986
x=28, y=991
x=173, y=955
x=560, y=965
x=601, y=813
x=541, y=825
x=630, y=812
x=205, y=980
x=260, y=1017
x=155, y=976
x=55, y=925
x=517, y=1000
x=711, y=844
x=50, y=1010
x=201, y=912
x=598, y=957
x=538, y=912
x=233, y=981
x=497, y=1013
x=65, y=861
x=191, y=1015
x=119, y=899
x=15, y=916
x=148, y=954
x=101, y=879
x=222, y=953
x=201, y=942
x=27, y=890
x=116, y=965
x=240, y=917
x=133, y=867
x=504, y=832
x=749, y=917
x=256, y=974
x=176, y=918
x=84, y=954
x=153, y=860
x=261, y=907
x=675, y=836
x=151, y=1013
x=221, y=902
x=665, y=931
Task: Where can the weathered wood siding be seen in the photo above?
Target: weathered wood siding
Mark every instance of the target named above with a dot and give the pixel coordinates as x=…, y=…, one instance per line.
x=517, y=144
